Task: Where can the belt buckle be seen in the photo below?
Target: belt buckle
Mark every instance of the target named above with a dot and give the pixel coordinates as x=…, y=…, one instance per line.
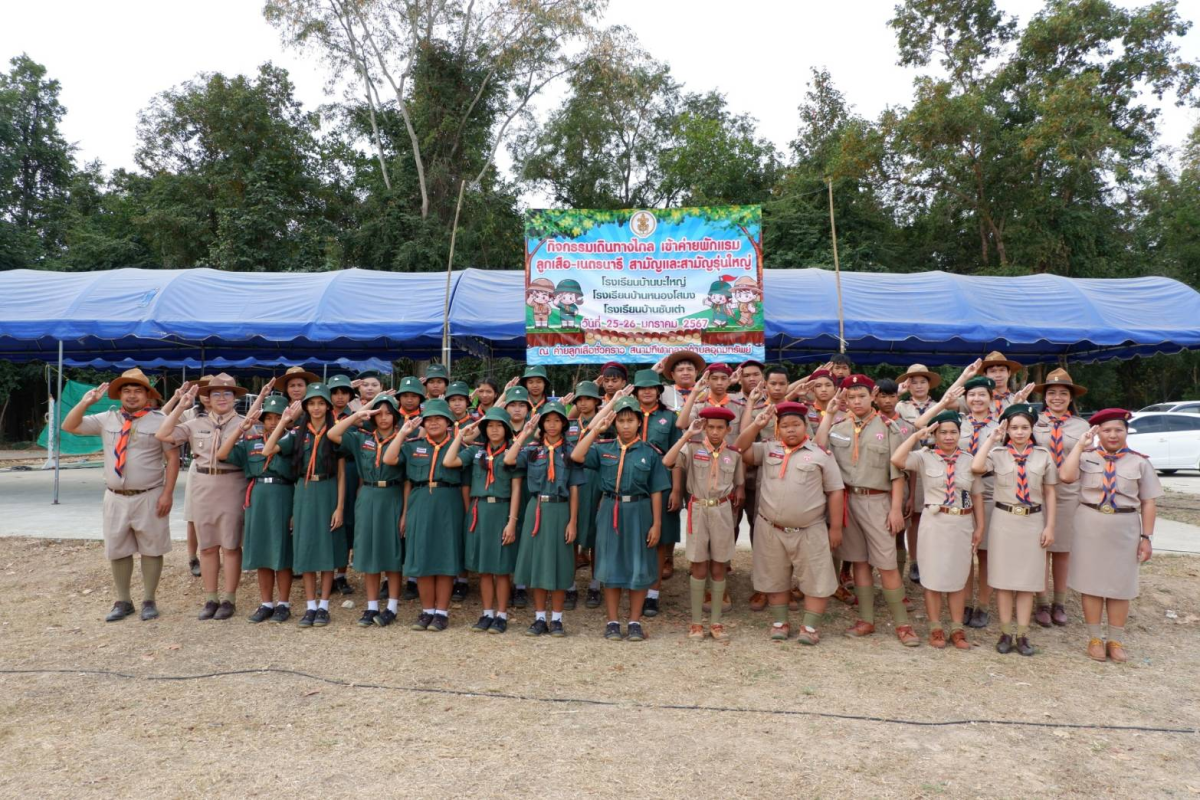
x=544, y=498
x=626, y=498
x=1107, y=510
x=1021, y=511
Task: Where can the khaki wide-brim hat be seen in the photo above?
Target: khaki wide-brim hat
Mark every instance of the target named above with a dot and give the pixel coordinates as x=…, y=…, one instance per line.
x=921, y=371
x=1060, y=377
x=204, y=380
x=997, y=359
x=683, y=355
x=136, y=377
x=222, y=381
x=298, y=372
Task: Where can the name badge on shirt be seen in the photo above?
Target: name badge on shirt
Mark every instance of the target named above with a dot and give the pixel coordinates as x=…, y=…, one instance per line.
x=702, y=455
x=479, y=455
x=841, y=437
x=610, y=456
x=775, y=454
x=368, y=444
x=257, y=447
x=420, y=451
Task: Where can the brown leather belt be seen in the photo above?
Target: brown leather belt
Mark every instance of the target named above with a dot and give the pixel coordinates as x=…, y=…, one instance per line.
x=133, y=492
x=864, y=490
x=711, y=502
x=218, y=471
x=953, y=511
x=1020, y=511
x=1111, y=509
x=786, y=529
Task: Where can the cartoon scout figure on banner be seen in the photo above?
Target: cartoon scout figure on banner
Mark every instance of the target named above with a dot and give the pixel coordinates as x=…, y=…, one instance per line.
x=747, y=295
x=720, y=297
x=567, y=296
x=539, y=296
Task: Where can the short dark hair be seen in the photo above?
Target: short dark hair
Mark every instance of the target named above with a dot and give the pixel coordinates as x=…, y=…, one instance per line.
x=776, y=369
x=489, y=382
x=841, y=358
x=887, y=386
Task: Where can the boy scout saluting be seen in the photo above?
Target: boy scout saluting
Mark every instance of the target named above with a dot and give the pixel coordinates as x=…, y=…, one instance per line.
x=139, y=486
x=863, y=444
x=219, y=489
x=798, y=484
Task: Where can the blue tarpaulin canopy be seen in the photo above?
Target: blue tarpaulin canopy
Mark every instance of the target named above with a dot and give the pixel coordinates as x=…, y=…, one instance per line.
x=163, y=317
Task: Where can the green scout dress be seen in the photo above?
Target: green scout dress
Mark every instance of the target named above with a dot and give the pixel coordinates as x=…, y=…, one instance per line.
x=623, y=561
x=660, y=431
x=488, y=514
x=267, y=543
x=351, y=497
x=545, y=559
x=589, y=493
x=315, y=547
x=378, y=546
x=433, y=538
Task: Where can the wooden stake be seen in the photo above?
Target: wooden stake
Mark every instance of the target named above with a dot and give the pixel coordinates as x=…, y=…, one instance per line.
x=449, y=272
x=837, y=272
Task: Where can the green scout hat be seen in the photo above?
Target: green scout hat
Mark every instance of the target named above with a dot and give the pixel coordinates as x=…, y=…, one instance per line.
x=535, y=372
x=436, y=408
x=552, y=408
x=456, y=389
x=628, y=403
x=978, y=382
x=437, y=371
x=341, y=382
x=947, y=416
x=497, y=414
x=275, y=404
x=370, y=373
x=568, y=285
x=386, y=399
x=720, y=287
x=1019, y=408
x=647, y=378
x=517, y=394
x=317, y=390
x=411, y=385
x=588, y=389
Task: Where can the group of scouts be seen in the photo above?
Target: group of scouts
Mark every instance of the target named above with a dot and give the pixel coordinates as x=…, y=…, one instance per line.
x=838, y=477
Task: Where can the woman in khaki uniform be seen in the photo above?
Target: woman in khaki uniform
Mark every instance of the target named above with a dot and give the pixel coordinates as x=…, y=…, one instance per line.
x=1058, y=429
x=1023, y=523
x=918, y=382
x=1114, y=525
x=189, y=414
x=219, y=488
x=951, y=524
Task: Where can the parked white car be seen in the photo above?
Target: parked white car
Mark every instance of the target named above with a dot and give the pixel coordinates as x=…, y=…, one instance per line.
x=1184, y=407
x=1171, y=440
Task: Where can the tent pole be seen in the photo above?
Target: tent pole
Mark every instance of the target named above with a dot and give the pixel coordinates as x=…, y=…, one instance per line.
x=56, y=421
x=837, y=271
x=449, y=272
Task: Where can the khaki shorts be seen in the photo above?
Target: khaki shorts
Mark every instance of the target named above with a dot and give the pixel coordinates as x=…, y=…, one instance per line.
x=712, y=533
x=131, y=525
x=866, y=536
x=779, y=555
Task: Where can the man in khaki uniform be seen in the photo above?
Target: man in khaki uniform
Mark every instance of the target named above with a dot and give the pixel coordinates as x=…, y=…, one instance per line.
x=798, y=484
x=713, y=392
x=139, y=475
x=863, y=444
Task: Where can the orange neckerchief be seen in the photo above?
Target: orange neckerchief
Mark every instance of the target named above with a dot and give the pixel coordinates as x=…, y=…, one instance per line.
x=998, y=403
x=1056, y=435
x=491, y=457
x=715, y=452
x=123, y=439
x=382, y=443
x=858, y=428
x=617, y=485
x=787, y=454
x=646, y=412
x=316, y=445
x=551, y=448
x=724, y=402
x=951, y=461
x=433, y=463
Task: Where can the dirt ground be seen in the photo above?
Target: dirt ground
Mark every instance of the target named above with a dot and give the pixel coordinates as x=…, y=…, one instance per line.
x=460, y=713
x=1180, y=507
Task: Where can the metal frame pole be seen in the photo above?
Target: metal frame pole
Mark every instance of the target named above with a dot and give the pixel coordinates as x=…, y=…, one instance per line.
x=56, y=421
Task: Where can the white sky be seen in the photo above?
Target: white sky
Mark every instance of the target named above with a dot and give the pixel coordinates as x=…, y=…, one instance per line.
x=112, y=57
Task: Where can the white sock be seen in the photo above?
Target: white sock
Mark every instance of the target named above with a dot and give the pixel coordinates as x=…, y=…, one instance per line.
x=268, y=604
x=441, y=613
x=652, y=594
x=573, y=588
x=613, y=622
x=393, y=605
x=540, y=615
x=412, y=581
x=284, y=604
x=489, y=613
x=460, y=580
x=556, y=616
x=502, y=615
x=428, y=611
x=521, y=586
x=323, y=605
x=372, y=605
x=337, y=575
x=594, y=586
x=311, y=605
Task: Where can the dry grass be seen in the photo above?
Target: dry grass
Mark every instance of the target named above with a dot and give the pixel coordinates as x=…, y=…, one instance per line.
x=262, y=734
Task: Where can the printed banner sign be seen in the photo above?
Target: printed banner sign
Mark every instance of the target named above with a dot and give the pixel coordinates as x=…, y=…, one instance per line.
x=638, y=284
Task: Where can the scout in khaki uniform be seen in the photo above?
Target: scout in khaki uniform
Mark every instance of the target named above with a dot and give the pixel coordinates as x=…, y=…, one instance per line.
x=1058, y=429
x=491, y=521
x=715, y=478
x=951, y=523
x=1000, y=370
x=539, y=296
x=295, y=383
x=219, y=491
x=682, y=368
x=712, y=391
x=368, y=384
x=1023, y=523
x=189, y=414
x=824, y=390
x=887, y=396
x=659, y=430
x=341, y=391
x=436, y=379
x=433, y=514
x=546, y=556
x=918, y=381
x=1113, y=527
x=587, y=400
x=863, y=444
x=267, y=536
x=629, y=520
x=139, y=476
x=318, y=499
x=799, y=486
x=378, y=549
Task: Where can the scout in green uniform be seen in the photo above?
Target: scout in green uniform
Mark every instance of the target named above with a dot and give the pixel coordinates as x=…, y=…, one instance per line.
x=516, y=402
x=267, y=542
x=491, y=519
x=660, y=432
x=379, y=550
x=318, y=500
x=458, y=398
x=546, y=557
x=341, y=390
x=436, y=379
x=487, y=392
x=433, y=515
x=535, y=380
x=629, y=520
x=720, y=299
x=410, y=393
x=567, y=296
x=587, y=399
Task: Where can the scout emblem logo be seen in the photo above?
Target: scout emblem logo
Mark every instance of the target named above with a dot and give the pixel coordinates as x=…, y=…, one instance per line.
x=807, y=457
x=643, y=224
x=879, y=436
x=662, y=421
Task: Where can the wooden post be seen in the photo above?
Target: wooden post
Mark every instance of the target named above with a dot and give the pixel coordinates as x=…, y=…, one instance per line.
x=449, y=267
x=837, y=272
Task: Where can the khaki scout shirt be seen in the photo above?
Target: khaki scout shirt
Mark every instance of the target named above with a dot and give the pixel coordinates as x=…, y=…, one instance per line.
x=696, y=460
x=933, y=478
x=1039, y=473
x=1136, y=479
x=733, y=404
x=145, y=466
x=795, y=498
x=206, y=434
x=876, y=443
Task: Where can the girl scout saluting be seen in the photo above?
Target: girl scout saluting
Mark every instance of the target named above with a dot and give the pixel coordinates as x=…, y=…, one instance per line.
x=378, y=548
x=587, y=398
x=546, y=557
x=491, y=522
x=659, y=430
x=629, y=521
x=433, y=515
x=267, y=544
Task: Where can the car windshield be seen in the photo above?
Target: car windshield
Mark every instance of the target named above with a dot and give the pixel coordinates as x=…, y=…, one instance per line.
x=1158, y=407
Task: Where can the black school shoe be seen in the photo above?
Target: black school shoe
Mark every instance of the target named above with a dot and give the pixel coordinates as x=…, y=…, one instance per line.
x=459, y=592
x=367, y=619
x=120, y=611
x=410, y=591
x=1005, y=645
x=650, y=607
x=385, y=618
x=483, y=624
x=309, y=618
x=572, y=600
x=342, y=585
x=556, y=628
x=440, y=623
x=282, y=614
x=499, y=625
x=593, y=598
x=636, y=634
x=612, y=632
x=262, y=614
x=209, y=610
x=979, y=619
x=194, y=566
x=149, y=610
x=322, y=618
x=520, y=598
x=1024, y=647
x=538, y=628
x=423, y=621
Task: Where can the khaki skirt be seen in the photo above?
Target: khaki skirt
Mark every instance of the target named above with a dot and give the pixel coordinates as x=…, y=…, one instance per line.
x=944, y=550
x=1104, y=554
x=1016, y=560
x=217, y=509
x=1066, y=507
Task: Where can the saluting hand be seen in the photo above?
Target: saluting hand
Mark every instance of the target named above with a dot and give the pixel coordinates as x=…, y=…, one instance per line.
x=515, y=380
x=469, y=428
x=93, y=396
x=566, y=401
x=409, y=426
x=952, y=396
x=1022, y=395
x=1088, y=439
x=764, y=417
x=252, y=416
x=997, y=434
x=973, y=368
x=925, y=433
x=736, y=377
x=659, y=365
x=365, y=413
x=292, y=412
x=695, y=427
x=902, y=388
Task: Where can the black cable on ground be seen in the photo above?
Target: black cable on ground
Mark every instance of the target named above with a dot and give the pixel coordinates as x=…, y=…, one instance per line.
x=604, y=703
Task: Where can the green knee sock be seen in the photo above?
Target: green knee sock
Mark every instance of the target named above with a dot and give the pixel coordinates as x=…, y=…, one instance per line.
x=718, y=596
x=1060, y=598
x=211, y=597
x=152, y=567
x=229, y=596
x=901, y=558
x=866, y=603
x=122, y=569
x=1043, y=598
x=811, y=619
x=697, y=588
x=1022, y=630
x=778, y=613
x=1007, y=628
x=1095, y=631
x=895, y=602
x=1116, y=634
